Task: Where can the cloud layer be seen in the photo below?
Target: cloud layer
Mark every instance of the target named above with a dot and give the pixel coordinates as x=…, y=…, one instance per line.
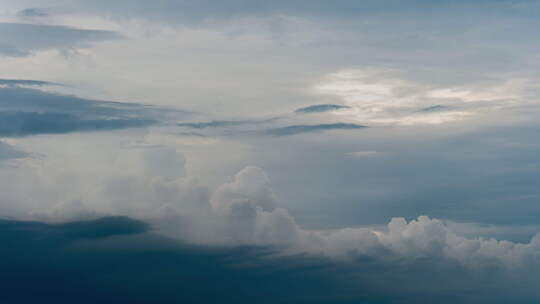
x=29, y=111
x=20, y=39
x=336, y=151
x=418, y=260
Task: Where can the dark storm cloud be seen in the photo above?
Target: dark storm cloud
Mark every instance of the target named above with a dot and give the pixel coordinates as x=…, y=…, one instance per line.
x=27, y=111
x=297, y=129
x=117, y=260
x=20, y=39
x=100, y=228
x=98, y=261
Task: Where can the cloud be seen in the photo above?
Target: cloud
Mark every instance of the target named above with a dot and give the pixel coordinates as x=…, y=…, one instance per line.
x=250, y=213
x=30, y=123
x=435, y=108
x=365, y=153
x=416, y=259
x=245, y=211
x=9, y=152
x=101, y=228
x=33, y=12
x=250, y=185
x=410, y=268
x=383, y=96
x=298, y=129
x=21, y=39
x=23, y=82
x=118, y=253
x=321, y=108
x=446, y=171
x=221, y=123
x=184, y=11
x=28, y=111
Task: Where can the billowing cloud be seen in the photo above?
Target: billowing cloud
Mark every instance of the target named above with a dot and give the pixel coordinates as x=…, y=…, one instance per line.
x=354, y=261
x=246, y=211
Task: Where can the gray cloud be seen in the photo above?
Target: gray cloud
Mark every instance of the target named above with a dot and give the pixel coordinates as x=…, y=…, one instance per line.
x=33, y=12
x=436, y=108
x=415, y=261
x=9, y=152
x=470, y=176
x=185, y=11
x=297, y=129
x=321, y=108
x=20, y=39
x=24, y=82
x=28, y=111
x=32, y=123
x=221, y=123
x=109, y=252
x=450, y=171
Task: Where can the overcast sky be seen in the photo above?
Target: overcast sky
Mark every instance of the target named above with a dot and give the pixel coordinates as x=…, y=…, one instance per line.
x=383, y=149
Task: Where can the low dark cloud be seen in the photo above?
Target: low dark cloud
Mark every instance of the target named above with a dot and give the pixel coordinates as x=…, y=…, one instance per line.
x=21, y=39
x=118, y=260
x=297, y=129
x=321, y=108
x=28, y=111
x=104, y=261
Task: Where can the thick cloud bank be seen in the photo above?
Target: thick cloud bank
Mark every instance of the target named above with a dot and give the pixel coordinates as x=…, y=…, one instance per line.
x=419, y=261
x=150, y=183
x=117, y=259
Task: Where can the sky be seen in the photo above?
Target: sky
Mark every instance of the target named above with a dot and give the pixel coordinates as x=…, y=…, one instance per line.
x=177, y=151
